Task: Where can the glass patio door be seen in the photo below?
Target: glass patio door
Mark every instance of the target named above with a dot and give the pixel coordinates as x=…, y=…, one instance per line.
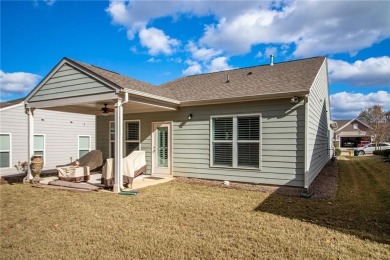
x=161, y=148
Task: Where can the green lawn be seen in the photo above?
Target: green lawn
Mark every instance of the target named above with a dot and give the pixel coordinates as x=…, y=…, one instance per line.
x=178, y=220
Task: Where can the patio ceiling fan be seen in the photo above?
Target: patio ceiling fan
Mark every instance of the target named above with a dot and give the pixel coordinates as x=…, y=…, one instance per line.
x=106, y=111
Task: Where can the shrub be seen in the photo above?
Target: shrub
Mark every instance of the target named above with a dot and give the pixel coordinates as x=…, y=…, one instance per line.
x=385, y=153
x=337, y=152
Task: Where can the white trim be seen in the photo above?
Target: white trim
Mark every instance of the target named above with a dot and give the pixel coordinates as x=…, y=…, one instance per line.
x=10, y=151
x=278, y=95
x=118, y=170
x=110, y=155
x=155, y=125
x=152, y=96
x=72, y=64
x=71, y=100
x=78, y=144
x=152, y=103
x=306, y=149
x=235, y=141
x=30, y=146
x=355, y=119
x=125, y=137
x=44, y=146
x=12, y=106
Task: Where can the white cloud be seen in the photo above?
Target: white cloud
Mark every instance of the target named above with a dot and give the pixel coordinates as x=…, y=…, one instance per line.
x=157, y=42
x=259, y=55
x=202, y=54
x=218, y=64
x=346, y=105
x=47, y=2
x=194, y=68
x=270, y=51
x=17, y=82
x=50, y=2
x=153, y=60
x=315, y=27
x=370, y=72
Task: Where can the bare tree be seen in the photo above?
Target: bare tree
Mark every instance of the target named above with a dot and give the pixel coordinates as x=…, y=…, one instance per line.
x=379, y=121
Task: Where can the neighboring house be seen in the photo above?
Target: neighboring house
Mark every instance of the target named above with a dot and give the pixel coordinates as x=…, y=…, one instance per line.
x=351, y=132
x=58, y=136
x=266, y=124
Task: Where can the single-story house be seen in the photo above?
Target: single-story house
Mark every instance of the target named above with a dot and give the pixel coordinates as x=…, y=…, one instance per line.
x=58, y=136
x=351, y=132
x=266, y=124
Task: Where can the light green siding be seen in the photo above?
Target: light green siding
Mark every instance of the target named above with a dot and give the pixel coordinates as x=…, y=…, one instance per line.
x=318, y=153
x=282, y=141
x=69, y=82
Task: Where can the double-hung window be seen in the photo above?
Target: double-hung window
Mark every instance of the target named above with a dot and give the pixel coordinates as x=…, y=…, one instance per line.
x=39, y=145
x=236, y=141
x=131, y=137
x=5, y=150
x=84, y=145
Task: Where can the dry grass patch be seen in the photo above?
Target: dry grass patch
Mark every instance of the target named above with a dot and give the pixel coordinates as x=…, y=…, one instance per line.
x=179, y=220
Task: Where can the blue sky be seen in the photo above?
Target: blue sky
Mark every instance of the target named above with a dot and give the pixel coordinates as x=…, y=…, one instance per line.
x=158, y=41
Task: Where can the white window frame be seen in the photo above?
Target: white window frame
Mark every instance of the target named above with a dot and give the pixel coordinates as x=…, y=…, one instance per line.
x=10, y=150
x=235, y=141
x=125, y=135
x=44, y=146
x=355, y=126
x=78, y=144
x=111, y=153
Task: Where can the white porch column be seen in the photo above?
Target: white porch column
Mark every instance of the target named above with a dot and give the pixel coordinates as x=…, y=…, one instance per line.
x=118, y=146
x=30, y=152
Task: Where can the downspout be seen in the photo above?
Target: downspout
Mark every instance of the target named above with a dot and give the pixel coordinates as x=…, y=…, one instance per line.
x=126, y=98
x=306, y=168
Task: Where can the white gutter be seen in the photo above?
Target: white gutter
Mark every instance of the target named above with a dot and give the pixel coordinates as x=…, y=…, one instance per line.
x=243, y=99
x=152, y=96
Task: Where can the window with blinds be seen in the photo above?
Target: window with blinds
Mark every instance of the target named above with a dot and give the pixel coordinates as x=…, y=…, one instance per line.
x=248, y=141
x=222, y=141
x=236, y=141
x=131, y=137
x=132, y=134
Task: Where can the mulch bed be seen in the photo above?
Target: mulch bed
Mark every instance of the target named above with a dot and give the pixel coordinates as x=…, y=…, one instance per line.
x=324, y=186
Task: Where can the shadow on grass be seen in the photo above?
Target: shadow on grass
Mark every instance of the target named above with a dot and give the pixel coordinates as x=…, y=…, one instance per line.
x=360, y=208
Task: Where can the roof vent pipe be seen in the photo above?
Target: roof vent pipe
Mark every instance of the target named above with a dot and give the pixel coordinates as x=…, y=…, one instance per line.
x=227, y=79
x=272, y=60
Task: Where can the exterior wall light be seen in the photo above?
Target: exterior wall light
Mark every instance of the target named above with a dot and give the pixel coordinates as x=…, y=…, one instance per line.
x=189, y=116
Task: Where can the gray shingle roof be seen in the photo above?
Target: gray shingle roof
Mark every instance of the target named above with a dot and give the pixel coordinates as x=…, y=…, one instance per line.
x=285, y=77
x=126, y=82
x=281, y=78
x=11, y=102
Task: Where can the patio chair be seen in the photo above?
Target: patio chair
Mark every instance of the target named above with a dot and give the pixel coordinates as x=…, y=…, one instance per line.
x=133, y=165
x=90, y=162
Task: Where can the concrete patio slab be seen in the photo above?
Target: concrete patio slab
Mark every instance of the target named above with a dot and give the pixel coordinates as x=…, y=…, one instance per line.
x=139, y=182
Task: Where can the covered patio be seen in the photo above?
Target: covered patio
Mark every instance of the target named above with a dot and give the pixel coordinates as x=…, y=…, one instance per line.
x=76, y=87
